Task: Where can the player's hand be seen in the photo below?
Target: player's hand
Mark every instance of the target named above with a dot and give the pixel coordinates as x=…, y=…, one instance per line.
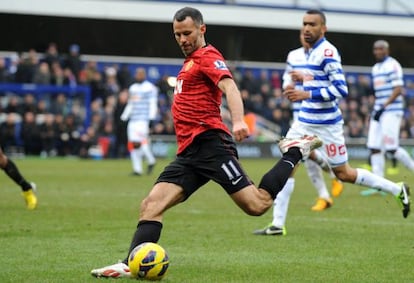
x=291, y=86
x=296, y=95
x=240, y=131
x=378, y=113
x=296, y=76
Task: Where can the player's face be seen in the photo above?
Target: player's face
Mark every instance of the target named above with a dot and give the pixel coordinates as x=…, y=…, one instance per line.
x=380, y=53
x=140, y=75
x=188, y=35
x=302, y=41
x=313, y=28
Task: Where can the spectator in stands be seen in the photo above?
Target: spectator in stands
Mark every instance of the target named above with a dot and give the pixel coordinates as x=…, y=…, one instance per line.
x=42, y=107
x=4, y=72
x=355, y=125
x=275, y=80
x=42, y=74
x=106, y=139
x=109, y=108
x=10, y=131
x=249, y=82
x=59, y=104
x=97, y=121
x=87, y=74
x=69, y=78
x=57, y=77
x=48, y=136
x=282, y=118
x=120, y=127
x=247, y=103
x=97, y=87
x=69, y=134
x=29, y=104
x=30, y=134
x=124, y=76
x=12, y=68
x=87, y=140
x=73, y=61
x=52, y=55
x=111, y=86
x=13, y=105
x=265, y=89
x=27, y=67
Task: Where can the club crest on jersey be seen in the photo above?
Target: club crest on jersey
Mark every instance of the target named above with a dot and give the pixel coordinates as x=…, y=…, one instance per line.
x=220, y=65
x=188, y=65
x=328, y=53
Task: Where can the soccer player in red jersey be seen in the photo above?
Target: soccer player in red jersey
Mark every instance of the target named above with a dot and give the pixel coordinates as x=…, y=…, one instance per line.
x=206, y=147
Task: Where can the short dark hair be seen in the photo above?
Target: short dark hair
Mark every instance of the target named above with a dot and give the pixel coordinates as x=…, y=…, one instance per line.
x=318, y=12
x=193, y=13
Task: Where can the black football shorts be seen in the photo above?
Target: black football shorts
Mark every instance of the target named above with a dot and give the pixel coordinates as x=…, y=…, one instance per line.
x=211, y=156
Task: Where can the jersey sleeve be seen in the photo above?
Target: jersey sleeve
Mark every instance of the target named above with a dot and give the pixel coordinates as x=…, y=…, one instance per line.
x=332, y=67
x=287, y=78
x=396, y=74
x=214, y=67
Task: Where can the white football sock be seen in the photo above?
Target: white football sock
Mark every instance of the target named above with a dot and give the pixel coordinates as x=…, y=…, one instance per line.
x=378, y=163
x=370, y=180
x=402, y=155
x=281, y=203
x=148, y=154
x=316, y=177
x=136, y=159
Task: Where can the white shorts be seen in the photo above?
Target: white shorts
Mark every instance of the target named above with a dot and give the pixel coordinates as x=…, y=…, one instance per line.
x=332, y=137
x=385, y=133
x=138, y=131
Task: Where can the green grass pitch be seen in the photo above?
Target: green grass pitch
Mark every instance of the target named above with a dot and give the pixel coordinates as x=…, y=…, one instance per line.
x=88, y=212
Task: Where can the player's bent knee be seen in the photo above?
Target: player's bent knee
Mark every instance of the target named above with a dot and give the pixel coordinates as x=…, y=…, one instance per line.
x=253, y=201
x=347, y=176
x=255, y=209
x=151, y=208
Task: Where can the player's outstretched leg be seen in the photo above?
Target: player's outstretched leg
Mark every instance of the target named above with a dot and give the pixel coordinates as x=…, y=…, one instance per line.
x=305, y=144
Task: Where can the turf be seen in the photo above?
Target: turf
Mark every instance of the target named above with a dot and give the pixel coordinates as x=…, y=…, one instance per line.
x=88, y=211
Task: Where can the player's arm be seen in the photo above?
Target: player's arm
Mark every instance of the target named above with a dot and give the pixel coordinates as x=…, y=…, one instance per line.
x=297, y=76
x=397, y=80
x=127, y=112
x=396, y=91
x=235, y=104
x=396, y=77
x=295, y=94
x=332, y=67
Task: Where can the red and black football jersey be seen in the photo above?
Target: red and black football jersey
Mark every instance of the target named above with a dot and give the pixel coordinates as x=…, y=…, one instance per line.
x=197, y=98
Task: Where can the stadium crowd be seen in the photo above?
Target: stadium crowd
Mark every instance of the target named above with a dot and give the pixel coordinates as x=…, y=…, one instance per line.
x=53, y=124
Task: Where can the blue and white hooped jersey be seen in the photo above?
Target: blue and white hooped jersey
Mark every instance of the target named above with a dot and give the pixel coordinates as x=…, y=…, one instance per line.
x=385, y=76
x=325, y=79
x=296, y=60
x=143, y=100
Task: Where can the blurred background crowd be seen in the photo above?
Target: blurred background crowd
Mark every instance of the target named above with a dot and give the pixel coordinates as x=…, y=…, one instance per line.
x=53, y=124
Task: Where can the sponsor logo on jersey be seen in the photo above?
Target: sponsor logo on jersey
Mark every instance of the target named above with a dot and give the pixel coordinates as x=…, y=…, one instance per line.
x=220, y=65
x=188, y=65
x=328, y=52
